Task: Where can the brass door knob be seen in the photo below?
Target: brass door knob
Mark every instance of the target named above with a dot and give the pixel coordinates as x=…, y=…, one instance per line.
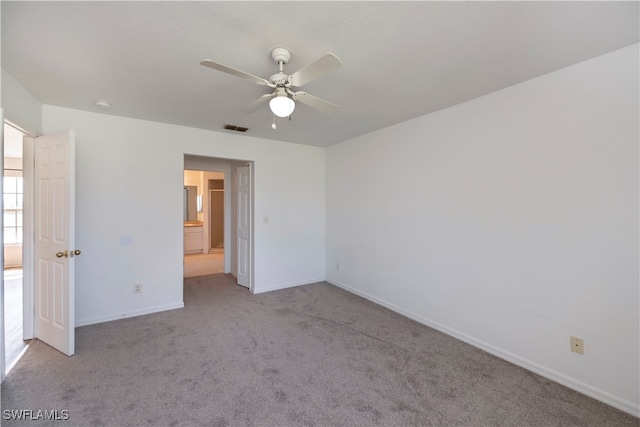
x=64, y=254
x=77, y=252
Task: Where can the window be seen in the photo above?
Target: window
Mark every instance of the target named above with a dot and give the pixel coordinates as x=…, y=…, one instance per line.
x=12, y=207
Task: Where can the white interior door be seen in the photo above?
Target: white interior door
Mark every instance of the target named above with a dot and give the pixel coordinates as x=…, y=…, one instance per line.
x=2, y=367
x=55, y=240
x=244, y=226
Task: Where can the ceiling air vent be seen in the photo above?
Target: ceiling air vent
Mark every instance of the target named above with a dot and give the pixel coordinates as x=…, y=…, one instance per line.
x=236, y=128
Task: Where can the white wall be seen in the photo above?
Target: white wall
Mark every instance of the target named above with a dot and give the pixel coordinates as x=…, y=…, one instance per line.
x=20, y=107
x=129, y=182
x=510, y=221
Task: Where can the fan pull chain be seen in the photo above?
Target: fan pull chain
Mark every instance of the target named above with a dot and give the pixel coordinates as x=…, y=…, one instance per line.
x=273, y=126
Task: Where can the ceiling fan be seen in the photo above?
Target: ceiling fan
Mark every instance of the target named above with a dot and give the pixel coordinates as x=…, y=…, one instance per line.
x=282, y=100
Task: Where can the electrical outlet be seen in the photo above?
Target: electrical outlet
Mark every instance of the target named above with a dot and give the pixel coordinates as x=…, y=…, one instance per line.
x=337, y=266
x=137, y=288
x=577, y=345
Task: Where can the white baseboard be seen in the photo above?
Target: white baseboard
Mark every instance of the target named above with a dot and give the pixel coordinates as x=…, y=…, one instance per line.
x=262, y=290
x=109, y=318
x=579, y=386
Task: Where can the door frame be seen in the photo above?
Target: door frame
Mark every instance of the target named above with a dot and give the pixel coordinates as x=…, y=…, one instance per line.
x=27, y=240
x=28, y=230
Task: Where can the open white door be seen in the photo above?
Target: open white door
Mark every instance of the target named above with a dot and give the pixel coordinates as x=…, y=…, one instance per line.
x=54, y=240
x=244, y=226
x=2, y=354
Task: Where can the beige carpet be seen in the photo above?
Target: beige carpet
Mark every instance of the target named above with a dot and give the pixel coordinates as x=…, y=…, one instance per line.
x=312, y=355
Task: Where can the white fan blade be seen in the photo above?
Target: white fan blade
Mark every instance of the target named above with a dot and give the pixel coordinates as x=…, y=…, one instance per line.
x=314, y=101
x=321, y=66
x=217, y=66
x=258, y=103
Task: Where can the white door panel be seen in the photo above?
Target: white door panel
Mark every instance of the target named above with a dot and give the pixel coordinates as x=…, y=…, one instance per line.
x=55, y=240
x=2, y=353
x=244, y=226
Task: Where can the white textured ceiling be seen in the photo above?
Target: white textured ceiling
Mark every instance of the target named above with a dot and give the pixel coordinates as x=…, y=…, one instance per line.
x=401, y=59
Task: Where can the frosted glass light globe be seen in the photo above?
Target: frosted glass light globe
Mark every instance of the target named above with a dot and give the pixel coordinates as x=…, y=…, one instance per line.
x=282, y=106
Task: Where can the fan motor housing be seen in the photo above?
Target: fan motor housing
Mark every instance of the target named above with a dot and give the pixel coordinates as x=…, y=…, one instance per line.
x=279, y=79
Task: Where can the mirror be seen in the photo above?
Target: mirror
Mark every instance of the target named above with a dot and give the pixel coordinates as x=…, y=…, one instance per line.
x=190, y=202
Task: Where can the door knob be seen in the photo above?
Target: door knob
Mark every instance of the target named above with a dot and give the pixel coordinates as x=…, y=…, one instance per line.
x=64, y=254
x=77, y=252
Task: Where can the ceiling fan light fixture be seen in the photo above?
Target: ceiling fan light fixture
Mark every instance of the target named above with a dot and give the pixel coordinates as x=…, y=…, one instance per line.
x=282, y=106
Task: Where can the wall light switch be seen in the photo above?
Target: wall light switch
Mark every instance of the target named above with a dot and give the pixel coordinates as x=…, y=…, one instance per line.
x=265, y=219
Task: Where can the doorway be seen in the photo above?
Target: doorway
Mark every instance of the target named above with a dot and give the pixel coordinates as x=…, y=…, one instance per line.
x=19, y=212
x=217, y=191
x=13, y=237
x=204, y=249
